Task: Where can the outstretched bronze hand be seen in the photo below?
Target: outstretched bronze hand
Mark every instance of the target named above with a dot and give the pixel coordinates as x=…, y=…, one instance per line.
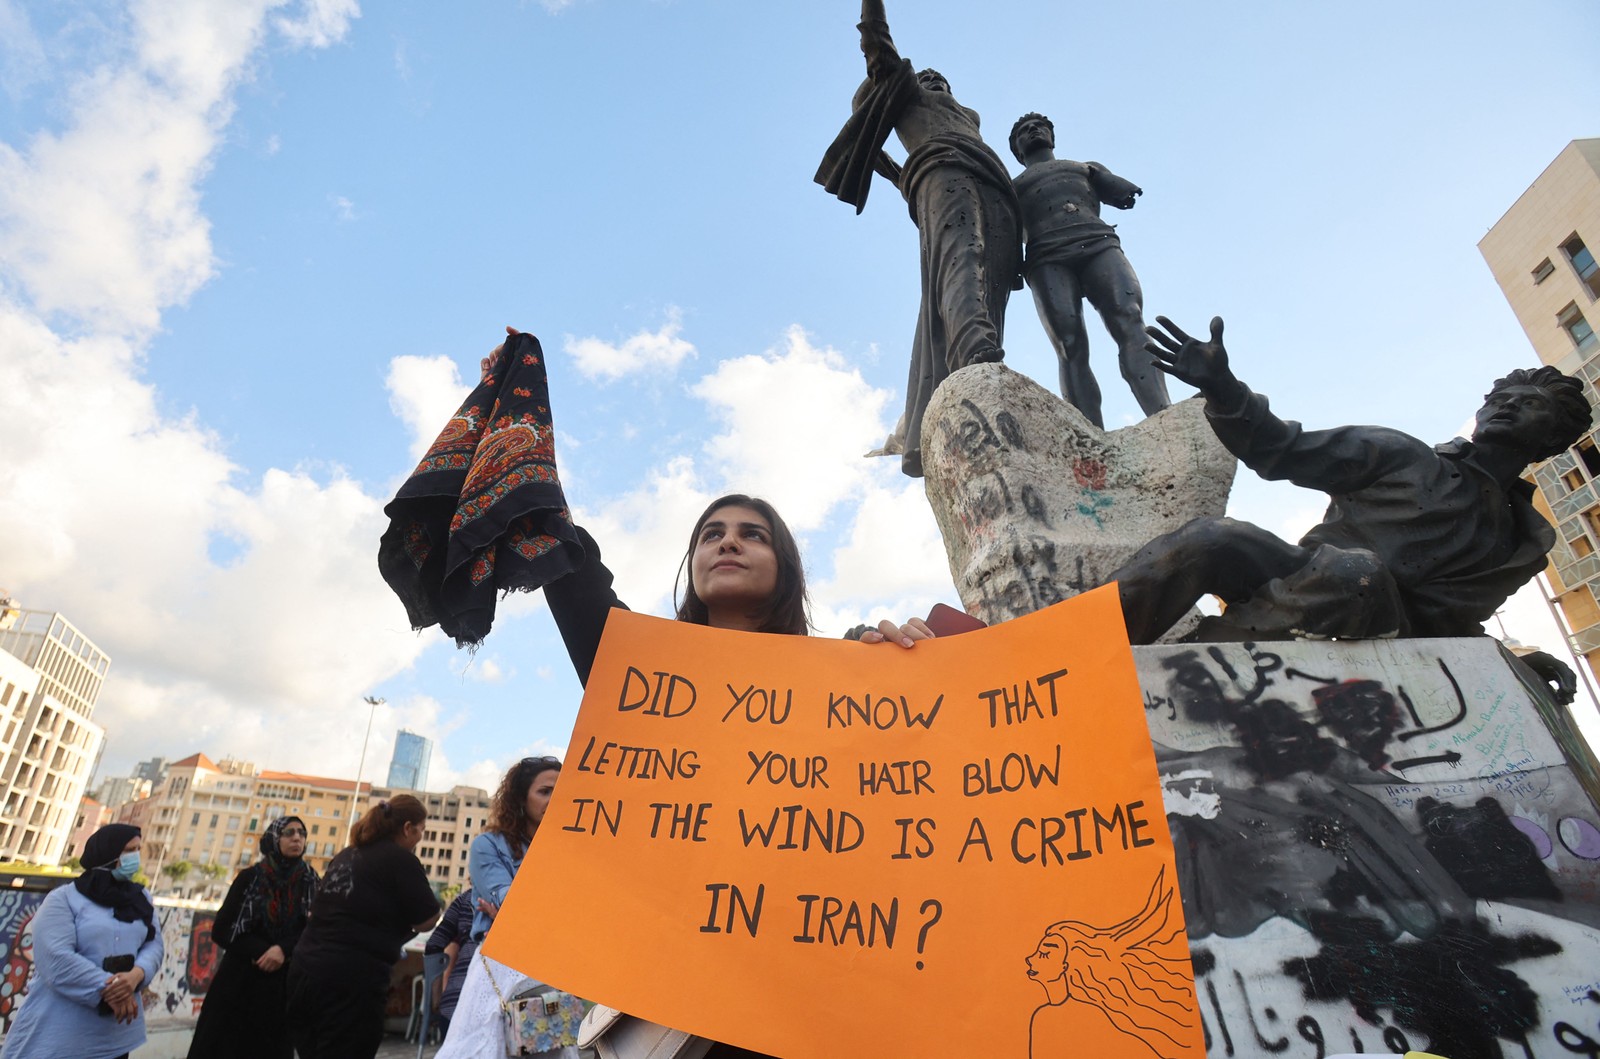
x=1203, y=365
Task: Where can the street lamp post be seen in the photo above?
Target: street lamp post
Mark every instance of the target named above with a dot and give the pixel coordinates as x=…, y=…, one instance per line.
x=373, y=702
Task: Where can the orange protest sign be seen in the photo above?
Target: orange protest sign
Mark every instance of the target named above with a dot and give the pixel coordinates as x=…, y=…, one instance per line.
x=812, y=847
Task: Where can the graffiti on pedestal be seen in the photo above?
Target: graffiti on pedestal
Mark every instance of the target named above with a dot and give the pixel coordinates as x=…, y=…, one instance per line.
x=1380, y=847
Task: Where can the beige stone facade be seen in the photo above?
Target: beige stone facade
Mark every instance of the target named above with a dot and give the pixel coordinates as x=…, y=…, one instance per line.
x=1543, y=256
x=207, y=812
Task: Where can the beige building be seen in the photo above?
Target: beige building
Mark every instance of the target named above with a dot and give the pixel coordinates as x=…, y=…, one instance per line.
x=50, y=677
x=1542, y=254
x=208, y=812
x=454, y=820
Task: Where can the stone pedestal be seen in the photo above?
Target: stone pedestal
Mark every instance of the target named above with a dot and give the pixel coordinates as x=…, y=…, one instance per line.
x=1381, y=846
x=1036, y=504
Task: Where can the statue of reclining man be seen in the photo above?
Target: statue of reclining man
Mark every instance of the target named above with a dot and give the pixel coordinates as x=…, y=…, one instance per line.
x=1418, y=540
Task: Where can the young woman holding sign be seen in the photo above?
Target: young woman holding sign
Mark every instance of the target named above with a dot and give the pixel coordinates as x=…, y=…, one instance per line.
x=742, y=571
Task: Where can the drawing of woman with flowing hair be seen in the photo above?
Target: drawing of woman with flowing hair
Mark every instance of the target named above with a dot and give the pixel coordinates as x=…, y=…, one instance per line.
x=1129, y=980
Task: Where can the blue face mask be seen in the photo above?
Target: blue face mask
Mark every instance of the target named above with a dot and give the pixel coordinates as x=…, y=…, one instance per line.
x=127, y=865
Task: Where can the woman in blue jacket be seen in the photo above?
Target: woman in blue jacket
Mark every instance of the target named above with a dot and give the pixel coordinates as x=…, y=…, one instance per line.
x=96, y=945
x=514, y=817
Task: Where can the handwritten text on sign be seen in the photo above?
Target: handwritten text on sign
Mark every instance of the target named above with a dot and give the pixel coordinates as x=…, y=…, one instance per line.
x=812, y=847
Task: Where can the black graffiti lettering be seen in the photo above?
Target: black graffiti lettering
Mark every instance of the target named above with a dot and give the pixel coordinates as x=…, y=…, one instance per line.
x=1311, y=1030
x=1461, y=710
x=1395, y=1040
x=1449, y=757
x=1570, y=1038
x=1279, y=1045
x=1356, y=1041
x=1222, y=1020
x=1033, y=504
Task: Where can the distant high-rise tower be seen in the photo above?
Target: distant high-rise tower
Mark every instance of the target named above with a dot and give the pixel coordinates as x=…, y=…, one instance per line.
x=408, y=769
x=1542, y=253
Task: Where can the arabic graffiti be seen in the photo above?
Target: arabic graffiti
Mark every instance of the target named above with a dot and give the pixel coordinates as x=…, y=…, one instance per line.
x=1379, y=847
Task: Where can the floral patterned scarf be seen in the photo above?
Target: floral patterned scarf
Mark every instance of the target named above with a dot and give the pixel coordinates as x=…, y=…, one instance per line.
x=483, y=514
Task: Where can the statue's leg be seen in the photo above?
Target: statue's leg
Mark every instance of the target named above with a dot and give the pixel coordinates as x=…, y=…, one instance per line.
x=969, y=244
x=1208, y=556
x=1111, y=287
x=1057, y=296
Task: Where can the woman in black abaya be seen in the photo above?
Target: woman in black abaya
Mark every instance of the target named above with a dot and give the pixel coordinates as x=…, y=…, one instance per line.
x=257, y=928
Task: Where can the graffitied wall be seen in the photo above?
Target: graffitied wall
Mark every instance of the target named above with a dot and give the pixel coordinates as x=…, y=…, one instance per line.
x=177, y=990
x=1380, y=847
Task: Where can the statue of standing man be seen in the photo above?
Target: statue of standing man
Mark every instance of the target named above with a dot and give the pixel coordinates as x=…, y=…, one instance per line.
x=962, y=201
x=1073, y=254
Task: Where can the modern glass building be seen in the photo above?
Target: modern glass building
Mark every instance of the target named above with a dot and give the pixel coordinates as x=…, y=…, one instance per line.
x=408, y=768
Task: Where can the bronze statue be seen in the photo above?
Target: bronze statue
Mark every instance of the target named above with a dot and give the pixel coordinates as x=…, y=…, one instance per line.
x=1071, y=254
x=1418, y=540
x=961, y=199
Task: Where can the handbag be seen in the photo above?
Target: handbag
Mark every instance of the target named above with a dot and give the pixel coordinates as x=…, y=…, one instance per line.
x=616, y=1035
x=539, y=1022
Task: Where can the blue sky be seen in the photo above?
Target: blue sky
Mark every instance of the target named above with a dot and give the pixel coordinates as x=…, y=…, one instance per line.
x=251, y=253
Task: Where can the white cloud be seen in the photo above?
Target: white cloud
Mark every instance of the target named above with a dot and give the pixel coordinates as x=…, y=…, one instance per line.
x=480, y=667
x=659, y=350
x=22, y=57
x=892, y=565
x=114, y=510
x=788, y=413
x=101, y=221
x=318, y=23
x=424, y=392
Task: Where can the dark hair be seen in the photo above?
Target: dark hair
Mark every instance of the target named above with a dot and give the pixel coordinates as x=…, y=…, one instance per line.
x=387, y=819
x=1032, y=115
x=786, y=611
x=1566, y=393
x=508, y=812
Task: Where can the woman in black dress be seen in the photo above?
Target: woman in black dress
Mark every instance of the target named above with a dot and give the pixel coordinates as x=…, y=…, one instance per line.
x=257, y=928
x=373, y=900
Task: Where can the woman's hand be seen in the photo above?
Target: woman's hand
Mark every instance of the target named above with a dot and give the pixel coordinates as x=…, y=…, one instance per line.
x=905, y=635
x=270, y=960
x=121, y=994
x=488, y=907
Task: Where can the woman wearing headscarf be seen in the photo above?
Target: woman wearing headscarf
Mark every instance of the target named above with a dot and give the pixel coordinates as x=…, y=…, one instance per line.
x=257, y=928
x=96, y=945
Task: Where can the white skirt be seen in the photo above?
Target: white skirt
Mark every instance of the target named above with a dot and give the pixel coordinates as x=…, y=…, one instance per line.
x=477, y=1029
